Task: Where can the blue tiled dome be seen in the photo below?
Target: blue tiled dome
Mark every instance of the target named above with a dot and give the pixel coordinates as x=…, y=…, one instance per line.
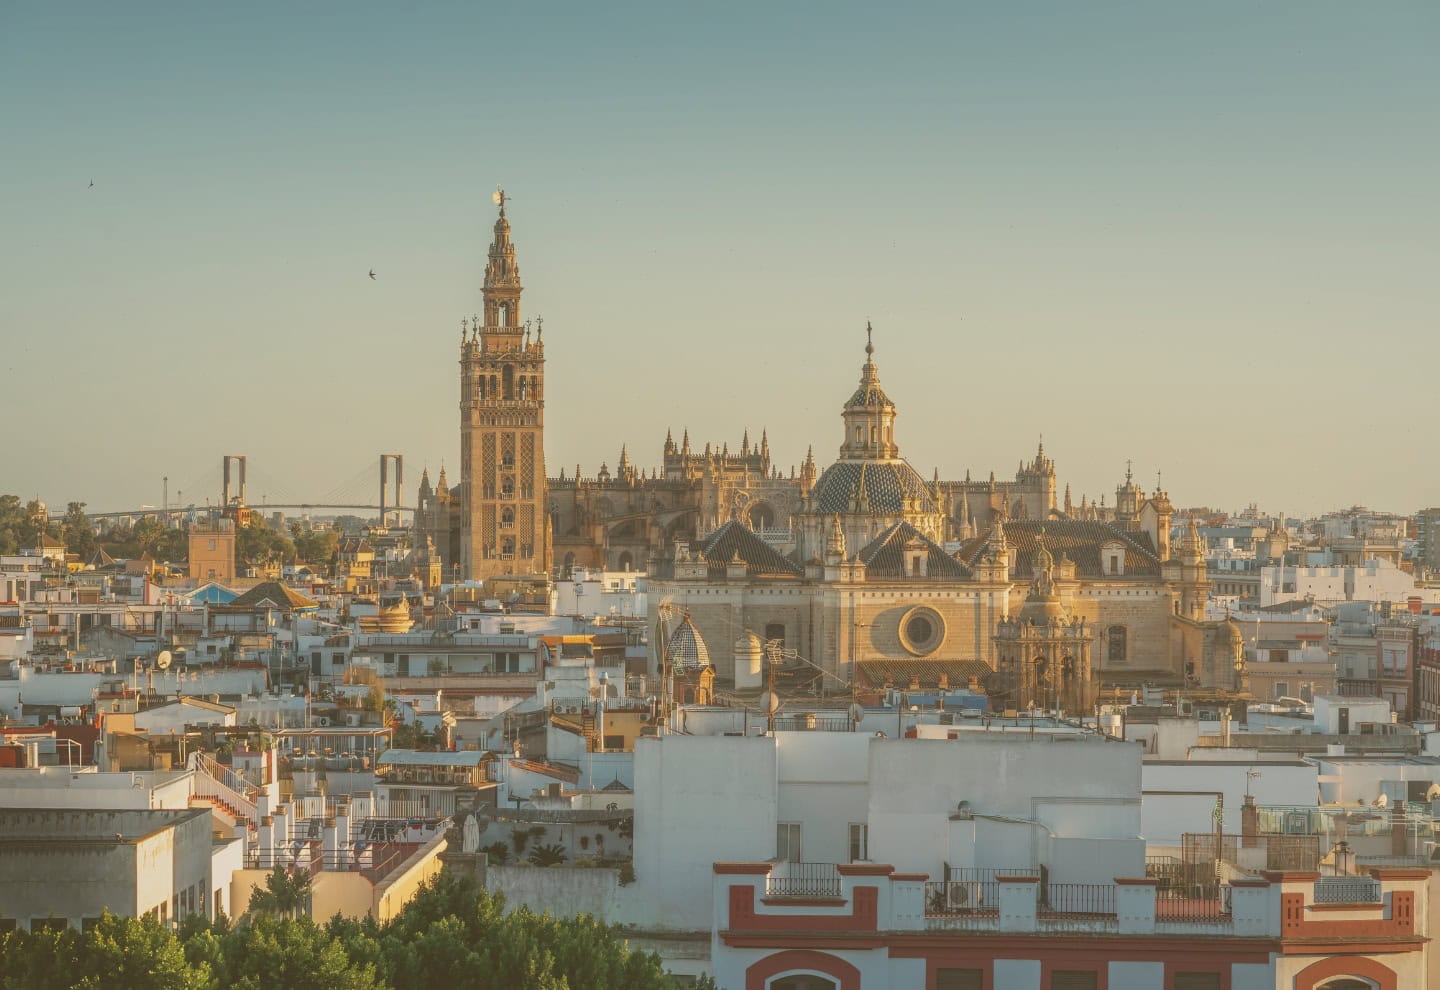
x=887, y=485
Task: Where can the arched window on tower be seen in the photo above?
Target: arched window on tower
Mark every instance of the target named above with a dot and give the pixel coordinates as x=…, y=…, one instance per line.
x=874, y=436
x=507, y=517
x=493, y=386
x=524, y=387
x=859, y=435
x=509, y=381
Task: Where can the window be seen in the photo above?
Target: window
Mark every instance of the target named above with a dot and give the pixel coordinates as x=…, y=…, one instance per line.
x=49, y=924
x=859, y=434
x=1279, y=656
x=7, y=925
x=949, y=978
x=212, y=546
x=859, y=842
x=775, y=632
x=1282, y=689
x=1117, y=647
x=1197, y=981
x=1074, y=979
x=787, y=841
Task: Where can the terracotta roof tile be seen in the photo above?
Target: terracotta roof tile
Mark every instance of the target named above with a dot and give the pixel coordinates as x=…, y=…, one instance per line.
x=885, y=555
x=761, y=559
x=1078, y=539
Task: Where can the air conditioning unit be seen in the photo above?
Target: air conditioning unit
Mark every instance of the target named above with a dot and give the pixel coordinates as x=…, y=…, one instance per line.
x=352, y=719
x=323, y=721
x=964, y=894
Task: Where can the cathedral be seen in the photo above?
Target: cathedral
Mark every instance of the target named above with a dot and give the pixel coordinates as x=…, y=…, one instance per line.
x=851, y=569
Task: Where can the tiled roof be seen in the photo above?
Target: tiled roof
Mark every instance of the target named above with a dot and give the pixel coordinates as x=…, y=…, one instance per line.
x=686, y=647
x=899, y=672
x=1078, y=539
x=277, y=595
x=761, y=559
x=887, y=485
x=884, y=557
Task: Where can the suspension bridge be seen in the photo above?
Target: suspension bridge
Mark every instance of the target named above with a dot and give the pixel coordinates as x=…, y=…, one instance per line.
x=377, y=488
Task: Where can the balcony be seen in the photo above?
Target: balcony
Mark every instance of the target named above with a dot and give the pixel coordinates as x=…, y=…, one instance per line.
x=808, y=881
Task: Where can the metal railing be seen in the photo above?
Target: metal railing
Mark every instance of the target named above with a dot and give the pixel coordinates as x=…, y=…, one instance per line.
x=1193, y=904
x=1076, y=900
x=803, y=880
x=1348, y=890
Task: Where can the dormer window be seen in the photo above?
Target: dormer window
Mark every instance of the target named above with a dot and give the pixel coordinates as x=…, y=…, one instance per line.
x=1112, y=559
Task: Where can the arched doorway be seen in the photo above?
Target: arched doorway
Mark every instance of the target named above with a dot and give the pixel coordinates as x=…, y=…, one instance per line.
x=761, y=516
x=567, y=569
x=626, y=561
x=804, y=981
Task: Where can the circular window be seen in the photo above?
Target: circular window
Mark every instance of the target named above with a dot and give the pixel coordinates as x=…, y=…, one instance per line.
x=922, y=631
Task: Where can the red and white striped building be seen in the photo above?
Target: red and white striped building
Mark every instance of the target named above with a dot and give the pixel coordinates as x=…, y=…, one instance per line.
x=874, y=927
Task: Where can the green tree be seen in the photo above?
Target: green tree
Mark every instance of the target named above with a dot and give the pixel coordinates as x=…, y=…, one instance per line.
x=295, y=954
x=551, y=855
x=315, y=546
x=285, y=894
x=11, y=516
x=257, y=544
x=136, y=954
x=76, y=531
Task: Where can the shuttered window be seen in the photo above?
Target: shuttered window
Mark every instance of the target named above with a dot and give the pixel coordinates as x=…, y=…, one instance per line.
x=1197, y=981
x=959, y=979
x=1074, y=979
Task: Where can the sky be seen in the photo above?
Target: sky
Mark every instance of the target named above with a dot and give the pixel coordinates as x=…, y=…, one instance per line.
x=1202, y=237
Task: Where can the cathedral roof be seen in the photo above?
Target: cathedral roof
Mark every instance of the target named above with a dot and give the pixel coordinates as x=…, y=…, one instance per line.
x=885, y=557
x=887, y=485
x=1079, y=540
x=686, y=647
x=869, y=395
x=735, y=539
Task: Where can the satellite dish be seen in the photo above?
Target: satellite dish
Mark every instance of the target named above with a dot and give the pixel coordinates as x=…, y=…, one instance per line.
x=772, y=702
x=1381, y=801
x=162, y=662
x=1433, y=794
x=857, y=712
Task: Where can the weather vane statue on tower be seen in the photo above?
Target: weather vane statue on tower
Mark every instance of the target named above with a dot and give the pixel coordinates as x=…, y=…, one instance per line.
x=499, y=197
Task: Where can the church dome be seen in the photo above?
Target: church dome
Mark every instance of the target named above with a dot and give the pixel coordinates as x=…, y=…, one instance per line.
x=887, y=485
x=686, y=647
x=1229, y=634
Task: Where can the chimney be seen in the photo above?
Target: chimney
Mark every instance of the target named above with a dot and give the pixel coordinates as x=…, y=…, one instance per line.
x=1249, y=823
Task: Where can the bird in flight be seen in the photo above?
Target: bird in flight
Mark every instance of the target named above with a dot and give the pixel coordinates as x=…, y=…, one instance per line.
x=372, y=274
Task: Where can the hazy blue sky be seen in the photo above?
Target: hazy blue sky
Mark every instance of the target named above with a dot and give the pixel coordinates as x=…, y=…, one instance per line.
x=1202, y=236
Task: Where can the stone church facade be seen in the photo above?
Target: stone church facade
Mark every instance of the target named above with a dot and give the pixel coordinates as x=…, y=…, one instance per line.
x=863, y=561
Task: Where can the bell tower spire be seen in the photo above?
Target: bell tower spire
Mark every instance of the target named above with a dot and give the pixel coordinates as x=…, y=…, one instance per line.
x=502, y=275
x=504, y=528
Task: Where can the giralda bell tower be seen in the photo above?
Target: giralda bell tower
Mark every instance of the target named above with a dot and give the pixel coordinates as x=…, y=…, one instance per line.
x=502, y=427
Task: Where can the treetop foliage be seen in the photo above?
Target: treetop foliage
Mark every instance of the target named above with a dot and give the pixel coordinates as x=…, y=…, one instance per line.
x=453, y=934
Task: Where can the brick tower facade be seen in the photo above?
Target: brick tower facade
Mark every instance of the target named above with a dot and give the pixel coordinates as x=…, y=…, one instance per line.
x=502, y=428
